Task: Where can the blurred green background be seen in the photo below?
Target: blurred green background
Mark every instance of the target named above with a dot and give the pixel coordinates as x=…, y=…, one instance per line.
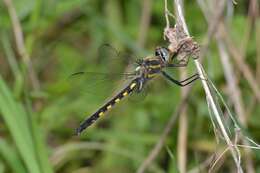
x=40, y=109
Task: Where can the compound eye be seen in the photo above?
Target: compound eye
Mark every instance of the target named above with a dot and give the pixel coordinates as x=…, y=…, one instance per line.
x=162, y=56
x=165, y=54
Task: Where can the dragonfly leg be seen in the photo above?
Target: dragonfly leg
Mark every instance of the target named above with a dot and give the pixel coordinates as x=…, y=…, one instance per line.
x=191, y=78
x=183, y=82
x=140, y=85
x=176, y=65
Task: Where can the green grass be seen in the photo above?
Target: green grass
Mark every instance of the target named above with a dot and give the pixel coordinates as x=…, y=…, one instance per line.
x=21, y=127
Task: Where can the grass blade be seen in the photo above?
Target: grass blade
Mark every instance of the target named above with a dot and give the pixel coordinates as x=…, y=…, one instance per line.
x=17, y=123
x=11, y=157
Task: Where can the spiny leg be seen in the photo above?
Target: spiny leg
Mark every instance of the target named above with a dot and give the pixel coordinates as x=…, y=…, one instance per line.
x=183, y=82
x=195, y=76
x=176, y=65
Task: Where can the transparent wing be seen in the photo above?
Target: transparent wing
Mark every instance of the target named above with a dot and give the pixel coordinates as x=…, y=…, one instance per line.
x=115, y=59
x=104, y=76
x=100, y=85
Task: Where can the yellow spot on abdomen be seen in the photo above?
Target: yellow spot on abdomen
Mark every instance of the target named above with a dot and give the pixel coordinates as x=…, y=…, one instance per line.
x=101, y=113
x=117, y=100
x=125, y=93
x=133, y=85
x=109, y=107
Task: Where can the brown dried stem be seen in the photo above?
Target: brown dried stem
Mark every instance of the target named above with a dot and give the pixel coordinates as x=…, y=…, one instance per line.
x=235, y=95
x=234, y=90
x=145, y=22
x=183, y=127
x=239, y=60
x=19, y=40
x=182, y=131
x=211, y=102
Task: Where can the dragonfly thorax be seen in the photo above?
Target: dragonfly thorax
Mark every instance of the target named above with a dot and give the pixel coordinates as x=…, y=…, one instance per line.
x=150, y=67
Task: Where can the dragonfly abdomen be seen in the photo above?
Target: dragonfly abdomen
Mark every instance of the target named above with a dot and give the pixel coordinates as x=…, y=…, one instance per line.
x=100, y=112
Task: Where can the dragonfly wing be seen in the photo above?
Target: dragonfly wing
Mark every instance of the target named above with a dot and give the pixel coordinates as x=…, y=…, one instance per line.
x=100, y=85
x=112, y=57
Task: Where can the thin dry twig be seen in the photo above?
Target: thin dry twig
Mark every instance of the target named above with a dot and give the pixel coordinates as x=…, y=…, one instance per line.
x=213, y=22
x=254, y=12
x=182, y=140
x=182, y=132
x=235, y=96
x=258, y=52
x=234, y=91
x=217, y=160
x=183, y=128
x=251, y=17
x=211, y=102
x=240, y=63
x=144, y=22
x=166, y=14
x=19, y=40
x=207, y=163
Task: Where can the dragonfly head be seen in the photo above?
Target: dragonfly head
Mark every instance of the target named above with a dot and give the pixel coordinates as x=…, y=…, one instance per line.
x=163, y=53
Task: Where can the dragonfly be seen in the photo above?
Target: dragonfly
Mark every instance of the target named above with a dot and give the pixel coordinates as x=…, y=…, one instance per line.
x=147, y=68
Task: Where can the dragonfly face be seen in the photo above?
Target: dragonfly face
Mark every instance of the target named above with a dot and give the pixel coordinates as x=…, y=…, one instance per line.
x=163, y=53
